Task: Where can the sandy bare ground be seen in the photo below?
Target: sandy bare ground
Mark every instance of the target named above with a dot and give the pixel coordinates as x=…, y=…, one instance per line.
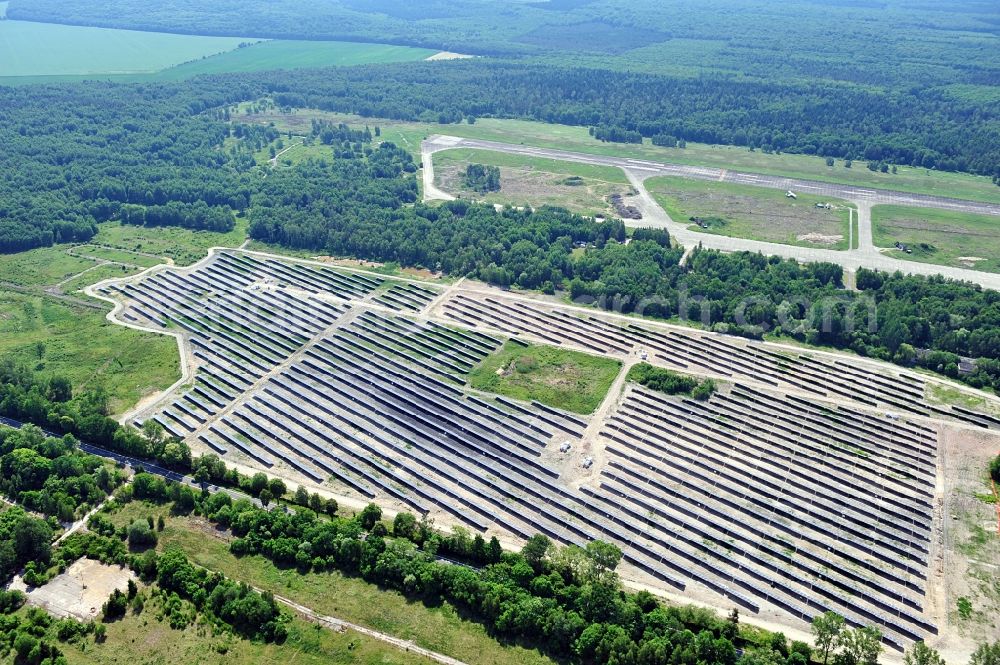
x=449, y=55
x=965, y=560
x=80, y=591
x=820, y=239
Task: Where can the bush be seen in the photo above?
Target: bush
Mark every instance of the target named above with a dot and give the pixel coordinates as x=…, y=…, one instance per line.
x=662, y=380
x=703, y=390
x=115, y=606
x=140, y=536
x=11, y=601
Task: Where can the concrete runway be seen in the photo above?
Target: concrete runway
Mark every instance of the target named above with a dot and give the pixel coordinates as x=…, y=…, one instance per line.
x=865, y=256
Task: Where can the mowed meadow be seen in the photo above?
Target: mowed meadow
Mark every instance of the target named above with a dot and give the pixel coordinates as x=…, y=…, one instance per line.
x=47, y=52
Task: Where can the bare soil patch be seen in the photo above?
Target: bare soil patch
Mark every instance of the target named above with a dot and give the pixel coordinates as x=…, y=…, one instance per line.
x=448, y=55
x=965, y=554
x=80, y=591
x=820, y=239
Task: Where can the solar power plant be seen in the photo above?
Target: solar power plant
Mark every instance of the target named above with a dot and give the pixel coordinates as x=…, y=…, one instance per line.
x=712, y=355
x=787, y=493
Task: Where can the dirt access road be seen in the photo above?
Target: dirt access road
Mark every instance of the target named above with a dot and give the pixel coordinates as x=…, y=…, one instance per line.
x=638, y=171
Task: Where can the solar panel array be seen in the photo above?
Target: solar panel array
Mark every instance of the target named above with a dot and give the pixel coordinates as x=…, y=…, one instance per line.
x=407, y=297
x=714, y=354
x=241, y=321
x=766, y=499
x=784, y=501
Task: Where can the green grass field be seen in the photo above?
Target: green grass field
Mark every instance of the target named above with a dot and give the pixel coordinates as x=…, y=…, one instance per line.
x=81, y=344
x=47, y=52
x=592, y=171
x=77, y=284
x=943, y=237
x=533, y=181
x=757, y=213
x=145, y=638
x=44, y=49
x=99, y=253
x=563, y=379
x=438, y=628
x=577, y=139
x=184, y=246
x=295, y=54
x=45, y=266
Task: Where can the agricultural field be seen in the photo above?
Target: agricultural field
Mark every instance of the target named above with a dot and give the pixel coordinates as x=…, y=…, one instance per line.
x=578, y=139
x=943, y=237
x=47, y=52
x=560, y=378
x=45, y=49
x=532, y=181
x=294, y=54
x=756, y=213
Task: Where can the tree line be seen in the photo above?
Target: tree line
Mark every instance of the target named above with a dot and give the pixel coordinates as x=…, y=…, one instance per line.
x=925, y=128
x=927, y=321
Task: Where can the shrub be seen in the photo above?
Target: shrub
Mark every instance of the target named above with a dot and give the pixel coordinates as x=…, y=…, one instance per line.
x=140, y=536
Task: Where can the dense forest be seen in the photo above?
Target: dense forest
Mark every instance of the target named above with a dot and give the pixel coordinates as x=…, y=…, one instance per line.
x=482, y=178
x=892, y=43
x=917, y=127
x=50, y=402
x=76, y=154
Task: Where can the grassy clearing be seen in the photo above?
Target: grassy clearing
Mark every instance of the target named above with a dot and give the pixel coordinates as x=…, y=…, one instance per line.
x=144, y=638
x=82, y=345
x=182, y=245
x=532, y=181
x=944, y=237
x=45, y=266
x=115, y=255
x=757, y=213
x=577, y=139
x=563, y=379
x=437, y=628
x=77, y=341
x=76, y=285
x=940, y=393
x=46, y=49
x=592, y=171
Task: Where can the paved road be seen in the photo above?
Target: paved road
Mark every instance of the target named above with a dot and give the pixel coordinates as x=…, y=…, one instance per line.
x=651, y=169
x=865, y=256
